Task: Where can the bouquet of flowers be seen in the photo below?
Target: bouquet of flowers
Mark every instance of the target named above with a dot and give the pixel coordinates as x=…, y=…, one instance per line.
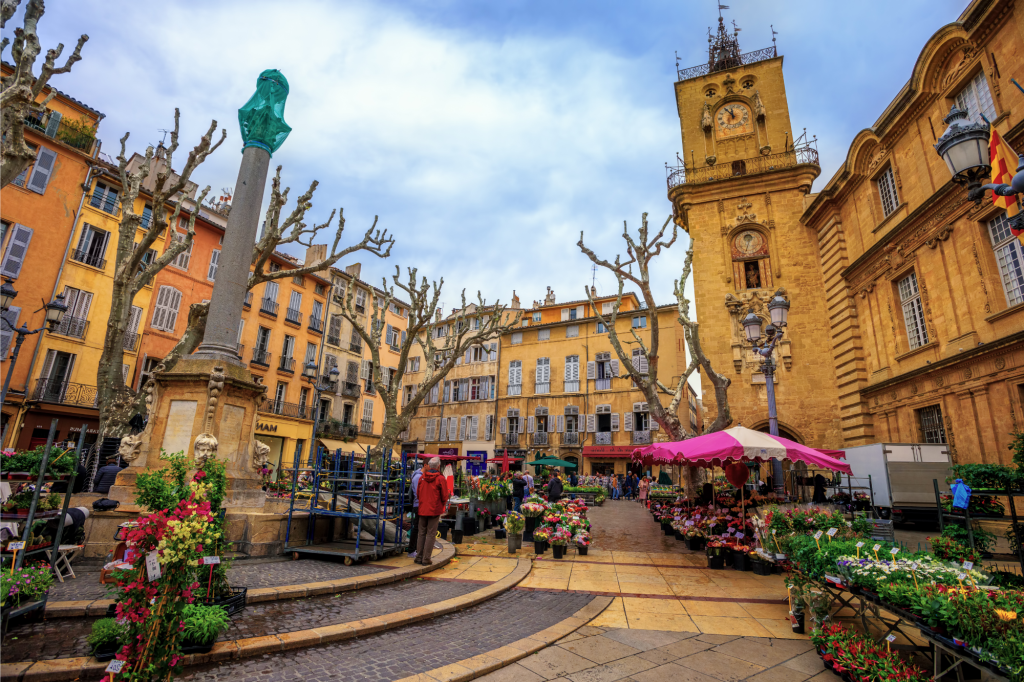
x=582, y=539
x=552, y=518
x=26, y=584
x=542, y=534
x=533, y=508
x=560, y=537
x=515, y=522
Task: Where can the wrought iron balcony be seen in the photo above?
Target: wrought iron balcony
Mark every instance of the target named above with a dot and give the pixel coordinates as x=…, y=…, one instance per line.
x=510, y=439
x=131, y=342
x=108, y=203
x=351, y=390
x=641, y=437
x=571, y=386
x=293, y=315
x=71, y=133
x=93, y=259
x=337, y=430
x=268, y=306
x=571, y=438
x=248, y=299
x=761, y=55
x=316, y=324
x=542, y=387
x=261, y=356
x=334, y=340
x=65, y=393
x=287, y=409
x=680, y=175
x=514, y=389
x=539, y=438
x=602, y=384
x=366, y=426
x=603, y=438
x=72, y=326
x=287, y=365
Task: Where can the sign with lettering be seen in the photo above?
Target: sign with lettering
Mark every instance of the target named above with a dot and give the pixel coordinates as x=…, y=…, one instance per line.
x=968, y=565
x=891, y=638
x=832, y=532
x=207, y=560
x=894, y=551
x=264, y=426
x=114, y=666
x=153, y=565
x=859, y=545
x=12, y=546
x=817, y=536
x=876, y=548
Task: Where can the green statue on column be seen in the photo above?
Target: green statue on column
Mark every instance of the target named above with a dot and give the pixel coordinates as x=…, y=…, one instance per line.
x=261, y=119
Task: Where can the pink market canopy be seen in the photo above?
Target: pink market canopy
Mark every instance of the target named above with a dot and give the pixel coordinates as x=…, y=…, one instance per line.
x=738, y=444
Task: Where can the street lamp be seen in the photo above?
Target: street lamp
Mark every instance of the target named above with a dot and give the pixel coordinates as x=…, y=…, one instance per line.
x=55, y=310
x=778, y=310
x=964, y=146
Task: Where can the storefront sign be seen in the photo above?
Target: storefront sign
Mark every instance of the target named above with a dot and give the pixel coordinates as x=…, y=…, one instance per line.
x=478, y=465
x=451, y=452
x=608, y=450
x=264, y=426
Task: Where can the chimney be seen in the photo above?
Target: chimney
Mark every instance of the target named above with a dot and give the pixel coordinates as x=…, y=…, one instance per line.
x=515, y=300
x=437, y=315
x=161, y=152
x=314, y=253
x=354, y=269
x=593, y=291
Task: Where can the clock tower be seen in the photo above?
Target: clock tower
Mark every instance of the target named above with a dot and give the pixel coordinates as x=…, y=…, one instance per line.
x=739, y=191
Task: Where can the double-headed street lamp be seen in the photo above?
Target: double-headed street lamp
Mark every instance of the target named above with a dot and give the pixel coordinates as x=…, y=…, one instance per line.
x=55, y=310
x=778, y=310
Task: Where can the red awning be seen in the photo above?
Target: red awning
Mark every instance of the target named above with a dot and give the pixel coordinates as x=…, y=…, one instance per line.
x=608, y=450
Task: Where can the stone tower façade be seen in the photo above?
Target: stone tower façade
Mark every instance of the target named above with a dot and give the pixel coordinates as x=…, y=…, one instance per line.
x=739, y=192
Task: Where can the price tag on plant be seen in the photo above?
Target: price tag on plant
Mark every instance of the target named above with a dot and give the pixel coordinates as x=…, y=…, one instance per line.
x=208, y=560
x=968, y=565
x=740, y=536
x=817, y=536
x=14, y=546
x=961, y=576
x=774, y=531
x=832, y=532
x=894, y=551
x=688, y=523
x=891, y=638
x=859, y=545
x=114, y=667
x=728, y=518
x=153, y=565
x=876, y=548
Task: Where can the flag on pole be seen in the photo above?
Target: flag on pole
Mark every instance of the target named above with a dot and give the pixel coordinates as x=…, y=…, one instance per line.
x=449, y=477
x=1004, y=165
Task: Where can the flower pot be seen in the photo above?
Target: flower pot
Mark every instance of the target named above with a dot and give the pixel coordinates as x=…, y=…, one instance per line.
x=107, y=651
x=679, y=536
x=739, y=561
x=188, y=647
x=531, y=525
x=539, y=546
x=457, y=536
x=443, y=530
x=667, y=529
x=797, y=619
x=499, y=533
x=558, y=551
x=761, y=567
x=695, y=543
x=581, y=550
x=716, y=562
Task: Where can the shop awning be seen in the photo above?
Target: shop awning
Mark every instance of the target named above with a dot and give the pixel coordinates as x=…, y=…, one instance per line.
x=608, y=450
x=333, y=445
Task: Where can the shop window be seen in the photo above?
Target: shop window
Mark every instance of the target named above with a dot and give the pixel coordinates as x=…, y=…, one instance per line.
x=913, y=313
x=930, y=421
x=887, y=191
x=1010, y=258
x=976, y=100
x=751, y=261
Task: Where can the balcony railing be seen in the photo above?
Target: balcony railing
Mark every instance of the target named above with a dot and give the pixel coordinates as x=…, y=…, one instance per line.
x=316, y=324
x=287, y=364
x=641, y=437
x=510, y=439
x=542, y=387
x=70, y=133
x=679, y=175
x=366, y=426
x=93, y=259
x=334, y=340
x=337, y=430
x=539, y=438
x=721, y=65
x=349, y=389
x=287, y=409
x=65, y=393
x=131, y=342
x=355, y=347
x=108, y=203
x=293, y=315
x=268, y=306
x=248, y=299
x=72, y=326
x=571, y=438
x=515, y=389
x=571, y=386
x=603, y=438
x=602, y=384
x=261, y=357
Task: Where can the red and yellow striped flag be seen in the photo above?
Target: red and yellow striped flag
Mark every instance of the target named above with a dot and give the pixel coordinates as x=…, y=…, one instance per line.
x=1004, y=165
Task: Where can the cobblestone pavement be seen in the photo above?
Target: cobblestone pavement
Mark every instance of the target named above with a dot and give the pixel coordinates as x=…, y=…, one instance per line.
x=627, y=526
x=244, y=573
x=594, y=654
x=408, y=650
x=63, y=638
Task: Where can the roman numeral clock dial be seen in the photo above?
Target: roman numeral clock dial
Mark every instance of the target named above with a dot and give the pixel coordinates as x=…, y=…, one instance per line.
x=733, y=119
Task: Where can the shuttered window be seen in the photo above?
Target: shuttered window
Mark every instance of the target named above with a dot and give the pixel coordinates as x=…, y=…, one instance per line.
x=40, y=176
x=165, y=312
x=17, y=249
x=182, y=259
x=6, y=333
x=211, y=274
x=572, y=331
x=517, y=338
x=639, y=361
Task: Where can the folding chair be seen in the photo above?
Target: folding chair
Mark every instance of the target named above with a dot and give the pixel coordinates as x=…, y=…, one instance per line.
x=62, y=566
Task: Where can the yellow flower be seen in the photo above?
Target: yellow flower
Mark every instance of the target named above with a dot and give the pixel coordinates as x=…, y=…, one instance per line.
x=1006, y=615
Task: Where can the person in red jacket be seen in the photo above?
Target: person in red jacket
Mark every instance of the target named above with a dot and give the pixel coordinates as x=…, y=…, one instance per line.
x=433, y=496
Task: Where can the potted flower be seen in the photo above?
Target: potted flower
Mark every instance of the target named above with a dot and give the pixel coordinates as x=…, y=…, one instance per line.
x=105, y=638
x=739, y=557
x=695, y=538
x=559, y=539
x=716, y=550
x=27, y=584
x=499, y=527
x=514, y=525
x=582, y=540
x=203, y=624
x=540, y=539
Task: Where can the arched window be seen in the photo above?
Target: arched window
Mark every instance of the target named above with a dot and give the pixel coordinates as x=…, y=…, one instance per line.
x=750, y=261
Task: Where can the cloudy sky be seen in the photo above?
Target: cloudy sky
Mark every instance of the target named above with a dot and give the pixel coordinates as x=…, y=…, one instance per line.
x=486, y=135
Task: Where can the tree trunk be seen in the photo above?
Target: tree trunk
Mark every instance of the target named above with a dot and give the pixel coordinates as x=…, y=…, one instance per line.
x=113, y=397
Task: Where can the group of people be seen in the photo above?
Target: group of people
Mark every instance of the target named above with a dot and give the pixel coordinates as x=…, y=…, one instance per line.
x=629, y=487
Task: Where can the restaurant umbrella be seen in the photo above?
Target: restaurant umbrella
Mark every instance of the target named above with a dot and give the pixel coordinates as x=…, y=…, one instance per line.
x=551, y=462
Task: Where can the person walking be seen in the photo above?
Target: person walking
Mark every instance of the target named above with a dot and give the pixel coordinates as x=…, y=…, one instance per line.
x=554, y=489
x=518, y=491
x=529, y=483
x=645, y=486
x=616, y=487
x=414, y=531
x=433, y=499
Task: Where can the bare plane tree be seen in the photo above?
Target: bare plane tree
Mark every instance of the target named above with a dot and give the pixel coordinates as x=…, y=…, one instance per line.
x=466, y=329
x=644, y=368
x=20, y=90
x=119, y=403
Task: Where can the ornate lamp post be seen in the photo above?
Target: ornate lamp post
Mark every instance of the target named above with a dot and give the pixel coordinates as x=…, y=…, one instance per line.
x=55, y=310
x=778, y=309
x=965, y=149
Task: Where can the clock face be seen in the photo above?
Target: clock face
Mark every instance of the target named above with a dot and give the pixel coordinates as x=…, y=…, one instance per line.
x=734, y=119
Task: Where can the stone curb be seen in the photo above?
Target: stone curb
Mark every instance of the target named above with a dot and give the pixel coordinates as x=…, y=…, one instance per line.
x=98, y=607
x=85, y=667
x=482, y=664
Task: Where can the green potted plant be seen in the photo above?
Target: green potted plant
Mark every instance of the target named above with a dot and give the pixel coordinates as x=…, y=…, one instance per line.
x=559, y=539
x=27, y=584
x=582, y=540
x=105, y=639
x=540, y=539
x=203, y=624
x=514, y=525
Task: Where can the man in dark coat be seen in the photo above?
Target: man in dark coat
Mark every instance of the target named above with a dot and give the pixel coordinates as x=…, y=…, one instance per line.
x=554, y=489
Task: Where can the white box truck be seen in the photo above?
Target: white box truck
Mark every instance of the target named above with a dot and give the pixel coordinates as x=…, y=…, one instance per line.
x=901, y=478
